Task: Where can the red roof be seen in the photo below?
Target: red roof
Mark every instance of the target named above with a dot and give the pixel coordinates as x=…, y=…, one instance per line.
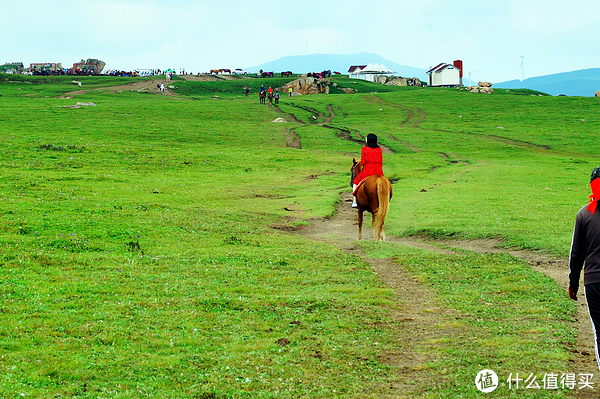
x=355, y=67
x=440, y=67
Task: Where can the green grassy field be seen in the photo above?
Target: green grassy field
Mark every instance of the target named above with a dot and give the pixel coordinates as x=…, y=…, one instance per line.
x=139, y=259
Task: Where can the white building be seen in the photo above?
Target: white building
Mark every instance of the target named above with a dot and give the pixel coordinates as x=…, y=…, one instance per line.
x=368, y=72
x=445, y=75
x=354, y=70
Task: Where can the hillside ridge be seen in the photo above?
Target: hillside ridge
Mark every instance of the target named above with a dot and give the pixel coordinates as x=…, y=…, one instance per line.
x=335, y=62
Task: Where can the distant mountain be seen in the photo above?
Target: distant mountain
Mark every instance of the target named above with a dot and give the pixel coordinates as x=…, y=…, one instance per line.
x=335, y=62
x=584, y=82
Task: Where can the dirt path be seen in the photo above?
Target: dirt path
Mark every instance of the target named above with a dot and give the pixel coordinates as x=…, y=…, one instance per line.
x=417, y=322
x=293, y=140
x=149, y=86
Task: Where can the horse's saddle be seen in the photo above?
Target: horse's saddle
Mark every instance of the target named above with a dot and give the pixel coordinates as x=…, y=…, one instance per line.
x=360, y=183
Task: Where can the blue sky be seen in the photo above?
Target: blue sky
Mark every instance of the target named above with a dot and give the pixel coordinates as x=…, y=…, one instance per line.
x=489, y=36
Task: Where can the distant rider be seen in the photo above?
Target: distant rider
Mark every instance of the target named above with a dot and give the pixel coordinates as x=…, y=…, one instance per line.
x=372, y=160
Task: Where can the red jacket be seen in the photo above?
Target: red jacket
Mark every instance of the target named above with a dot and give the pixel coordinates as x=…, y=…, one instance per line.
x=372, y=161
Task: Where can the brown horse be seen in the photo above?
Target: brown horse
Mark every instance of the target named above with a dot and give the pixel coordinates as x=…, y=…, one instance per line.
x=372, y=196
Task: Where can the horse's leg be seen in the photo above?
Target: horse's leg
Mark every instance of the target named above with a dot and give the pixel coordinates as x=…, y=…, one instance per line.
x=376, y=235
x=377, y=230
x=360, y=223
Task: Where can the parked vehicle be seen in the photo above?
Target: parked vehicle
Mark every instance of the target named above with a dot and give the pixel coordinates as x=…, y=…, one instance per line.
x=239, y=71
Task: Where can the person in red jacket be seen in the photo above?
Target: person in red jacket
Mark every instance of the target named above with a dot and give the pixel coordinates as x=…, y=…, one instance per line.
x=371, y=159
x=585, y=254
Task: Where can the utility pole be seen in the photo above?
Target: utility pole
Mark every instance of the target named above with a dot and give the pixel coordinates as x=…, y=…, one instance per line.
x=522, y=68
x=470, y=81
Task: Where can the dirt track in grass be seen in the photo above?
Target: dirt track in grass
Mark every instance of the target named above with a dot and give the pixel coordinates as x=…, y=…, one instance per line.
x=418, y=318
x=150, y=86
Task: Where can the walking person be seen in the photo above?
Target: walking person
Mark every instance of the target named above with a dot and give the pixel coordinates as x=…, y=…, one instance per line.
x=276, y=97
x=585, y=250
x=371, y=158
x=290, y=90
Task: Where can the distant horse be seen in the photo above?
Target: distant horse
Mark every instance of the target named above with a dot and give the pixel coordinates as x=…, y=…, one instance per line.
x=288, y=73
x=262, y=96
x=372, y=196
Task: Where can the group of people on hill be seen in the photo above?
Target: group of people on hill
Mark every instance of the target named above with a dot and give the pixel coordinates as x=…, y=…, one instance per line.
x=266, y=94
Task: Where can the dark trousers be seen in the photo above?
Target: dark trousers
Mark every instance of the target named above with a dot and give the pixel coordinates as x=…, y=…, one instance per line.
x=592, y=295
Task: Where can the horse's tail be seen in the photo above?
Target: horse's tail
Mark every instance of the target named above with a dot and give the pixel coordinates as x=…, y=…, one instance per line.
x=384, y=193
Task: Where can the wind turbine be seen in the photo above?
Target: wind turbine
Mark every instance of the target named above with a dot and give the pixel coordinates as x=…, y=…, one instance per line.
x=470, y=81
x=522, y=68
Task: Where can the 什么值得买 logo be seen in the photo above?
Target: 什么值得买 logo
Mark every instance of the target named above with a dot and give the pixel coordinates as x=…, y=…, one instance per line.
x=486, y=381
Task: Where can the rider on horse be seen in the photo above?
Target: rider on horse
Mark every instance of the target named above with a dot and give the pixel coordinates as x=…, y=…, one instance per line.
x=371, y=159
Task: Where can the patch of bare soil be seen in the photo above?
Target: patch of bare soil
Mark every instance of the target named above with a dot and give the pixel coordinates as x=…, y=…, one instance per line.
x=331, y=115
x=211, y=77
x=293, y=140
x=146, y=86
x=201, y=78
x=418, y=319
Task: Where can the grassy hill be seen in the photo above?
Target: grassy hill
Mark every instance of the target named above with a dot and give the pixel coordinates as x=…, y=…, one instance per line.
x=149, y=246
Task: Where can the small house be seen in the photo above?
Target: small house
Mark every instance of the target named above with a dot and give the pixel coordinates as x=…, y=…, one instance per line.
x=445, y=74
x=354, y=70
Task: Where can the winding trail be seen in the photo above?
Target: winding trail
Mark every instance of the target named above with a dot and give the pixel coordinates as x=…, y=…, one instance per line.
x=346, y=134
x=419, y=318
x=293, y=139
x=415, y=116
